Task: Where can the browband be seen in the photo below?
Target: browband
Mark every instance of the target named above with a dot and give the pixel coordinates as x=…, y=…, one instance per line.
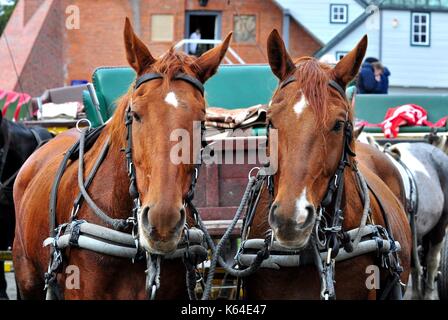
x=332, y=84
x=179, y=76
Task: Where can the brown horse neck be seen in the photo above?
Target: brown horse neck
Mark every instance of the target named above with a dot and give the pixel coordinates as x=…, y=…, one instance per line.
x=112, y=172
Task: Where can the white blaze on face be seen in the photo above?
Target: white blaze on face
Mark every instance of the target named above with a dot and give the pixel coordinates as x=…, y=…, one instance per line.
x=301, y=208
x=300, y=105
x=171, y=99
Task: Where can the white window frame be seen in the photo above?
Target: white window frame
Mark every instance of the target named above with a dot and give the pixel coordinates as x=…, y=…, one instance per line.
x=419, y=33
x=340, y=54
x=341, y=9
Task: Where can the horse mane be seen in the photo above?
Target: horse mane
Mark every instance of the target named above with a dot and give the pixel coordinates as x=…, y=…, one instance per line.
x=169, y=64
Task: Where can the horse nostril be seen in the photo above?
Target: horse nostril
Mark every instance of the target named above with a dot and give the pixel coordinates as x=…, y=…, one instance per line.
x=272, y=217
x=182, y=220
x=145, y=218
x=309, y=216
x=182, y=213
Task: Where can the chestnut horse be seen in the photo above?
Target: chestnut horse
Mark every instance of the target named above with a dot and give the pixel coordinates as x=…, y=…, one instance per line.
x=313, y=122
x=158, y=107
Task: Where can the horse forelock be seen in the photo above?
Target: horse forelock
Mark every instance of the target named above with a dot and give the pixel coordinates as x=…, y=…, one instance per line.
x=169, y=64
x=312, y=77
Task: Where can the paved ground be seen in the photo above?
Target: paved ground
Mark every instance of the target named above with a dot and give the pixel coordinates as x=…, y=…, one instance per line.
x=13, y=294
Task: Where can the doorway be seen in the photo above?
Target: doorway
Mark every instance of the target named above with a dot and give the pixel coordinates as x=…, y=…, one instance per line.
x=209, y=25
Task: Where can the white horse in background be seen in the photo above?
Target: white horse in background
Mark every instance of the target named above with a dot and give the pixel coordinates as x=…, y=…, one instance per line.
x=429, y=168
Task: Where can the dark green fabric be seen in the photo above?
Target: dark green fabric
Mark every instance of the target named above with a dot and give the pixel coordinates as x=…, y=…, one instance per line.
x=91, y=114
x=240, y=86
x=11, y=110
x=413, y=129
x=373, y=107
x=24, y=113
x=2, y=103
x=110, y=84
x=233, y=86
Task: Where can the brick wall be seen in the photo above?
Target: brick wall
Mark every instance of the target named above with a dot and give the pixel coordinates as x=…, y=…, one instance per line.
x=100, y=38
x=44, y=67
x=99, y=41
x=301, y=43
x=56, y=55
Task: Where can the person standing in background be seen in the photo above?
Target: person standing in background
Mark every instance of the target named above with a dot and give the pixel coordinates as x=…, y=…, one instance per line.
x=381, y=75
x=194, y=46
x=373, y=77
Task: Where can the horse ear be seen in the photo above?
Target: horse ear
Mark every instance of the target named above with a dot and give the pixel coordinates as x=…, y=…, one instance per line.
x=209, y=61
x=137, y=52
x=357, y=132
x=279, y=59
x=348, y=67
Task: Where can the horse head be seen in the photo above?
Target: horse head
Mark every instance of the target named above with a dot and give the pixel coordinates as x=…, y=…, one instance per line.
x=159, y=107
x=309, y=116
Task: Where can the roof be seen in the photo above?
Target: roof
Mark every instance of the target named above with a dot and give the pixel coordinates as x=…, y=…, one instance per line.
x=432, y=5
x=344, y=32
x=309, y=15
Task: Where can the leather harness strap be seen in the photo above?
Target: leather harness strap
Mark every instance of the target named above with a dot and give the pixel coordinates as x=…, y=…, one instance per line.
x=180, y=76
x=332, y=84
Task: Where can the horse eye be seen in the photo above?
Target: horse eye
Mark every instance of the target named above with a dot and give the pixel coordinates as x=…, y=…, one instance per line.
x=337, y=126
x=136, y=116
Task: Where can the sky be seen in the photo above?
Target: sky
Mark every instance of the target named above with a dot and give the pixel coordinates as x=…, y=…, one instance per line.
x=6, y=2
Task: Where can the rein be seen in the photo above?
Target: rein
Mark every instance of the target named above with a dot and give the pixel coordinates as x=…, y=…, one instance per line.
x=114, y=242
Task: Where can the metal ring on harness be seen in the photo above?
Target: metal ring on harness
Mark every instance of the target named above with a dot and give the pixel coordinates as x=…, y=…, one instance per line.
x=81, y=121
x=252, y=170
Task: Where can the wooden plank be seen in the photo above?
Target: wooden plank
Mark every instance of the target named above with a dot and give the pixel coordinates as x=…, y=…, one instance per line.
x=212, y=186
x=5, y=255
x=217, y=213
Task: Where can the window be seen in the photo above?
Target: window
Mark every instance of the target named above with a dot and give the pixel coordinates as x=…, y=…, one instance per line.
x=420, y=29
x=245, y=28
x=338, y=13
x=340, y=55
x=162, y=27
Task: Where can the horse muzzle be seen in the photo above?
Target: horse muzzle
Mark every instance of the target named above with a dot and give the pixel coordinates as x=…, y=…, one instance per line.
x=164, y=236
x=292, y=232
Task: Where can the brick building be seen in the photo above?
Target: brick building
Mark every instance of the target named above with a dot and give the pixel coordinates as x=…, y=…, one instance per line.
x=49, y=54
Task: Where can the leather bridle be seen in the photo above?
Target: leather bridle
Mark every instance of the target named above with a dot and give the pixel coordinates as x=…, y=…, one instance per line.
x=117, y=224
x=333, y=194
x=128, y=151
